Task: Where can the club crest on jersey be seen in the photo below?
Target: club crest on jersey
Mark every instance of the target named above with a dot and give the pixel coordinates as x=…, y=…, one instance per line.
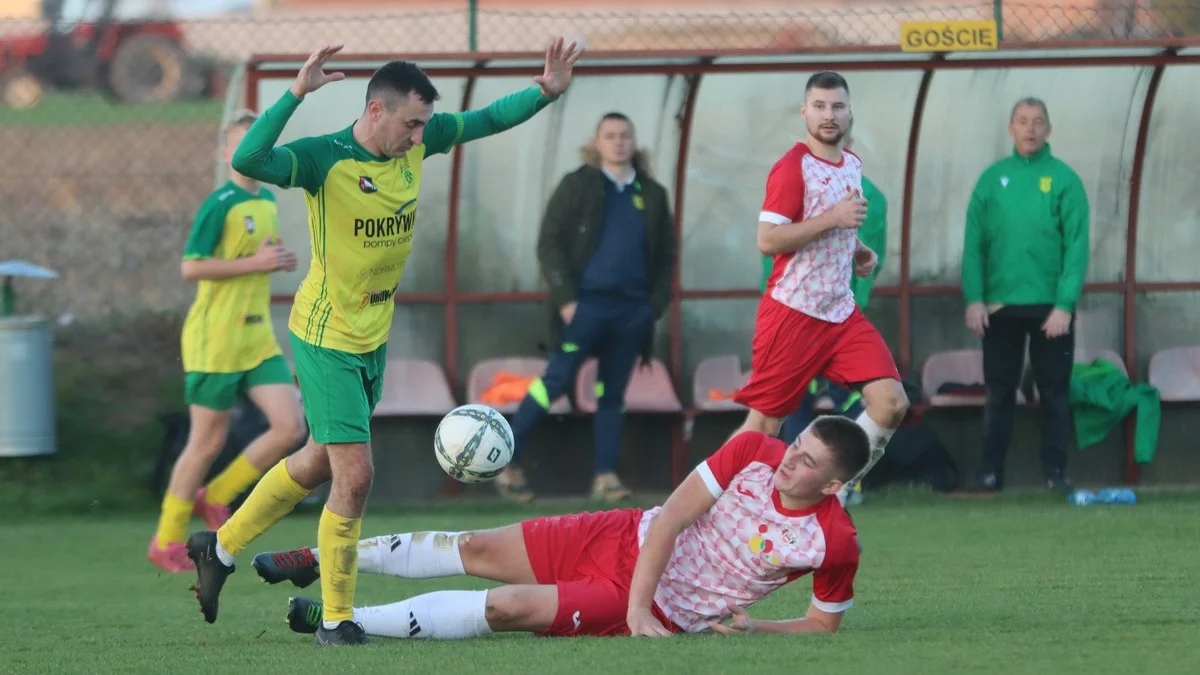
x=249, y=224
x=367, y=185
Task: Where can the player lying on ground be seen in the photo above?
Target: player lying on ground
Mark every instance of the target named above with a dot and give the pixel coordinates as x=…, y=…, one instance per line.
x=751, y=518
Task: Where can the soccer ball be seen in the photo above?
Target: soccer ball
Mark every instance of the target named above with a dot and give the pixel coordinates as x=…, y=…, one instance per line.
x=473, y=443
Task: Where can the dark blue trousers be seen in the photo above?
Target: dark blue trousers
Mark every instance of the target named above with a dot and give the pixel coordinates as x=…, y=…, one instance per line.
x=615, y=334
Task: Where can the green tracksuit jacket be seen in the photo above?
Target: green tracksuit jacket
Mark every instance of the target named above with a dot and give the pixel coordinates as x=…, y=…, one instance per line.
x=1026, y=240
x=1101, y=396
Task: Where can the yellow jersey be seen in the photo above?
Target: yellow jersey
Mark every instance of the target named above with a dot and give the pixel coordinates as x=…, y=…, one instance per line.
x=228, y=327
x=362, y=212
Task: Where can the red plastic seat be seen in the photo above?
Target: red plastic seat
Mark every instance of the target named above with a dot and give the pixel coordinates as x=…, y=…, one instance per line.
x=484, y=372
x=1175, y=372
x=413, y=387
x=649, y=390
x=963, y=366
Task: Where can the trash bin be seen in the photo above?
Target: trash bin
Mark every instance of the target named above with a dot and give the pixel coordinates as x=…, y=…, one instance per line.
x=27, y=408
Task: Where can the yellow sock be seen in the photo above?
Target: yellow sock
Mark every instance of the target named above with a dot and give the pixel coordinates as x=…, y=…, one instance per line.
x=233, y=481
x=337, y=540
x=273, y=498
x=173, y=520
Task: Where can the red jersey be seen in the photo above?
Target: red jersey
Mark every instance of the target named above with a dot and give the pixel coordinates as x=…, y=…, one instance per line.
x=748, y=545
x=816, y=279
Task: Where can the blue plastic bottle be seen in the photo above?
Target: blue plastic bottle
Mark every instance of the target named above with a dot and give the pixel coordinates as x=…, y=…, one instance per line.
x=1104, y=496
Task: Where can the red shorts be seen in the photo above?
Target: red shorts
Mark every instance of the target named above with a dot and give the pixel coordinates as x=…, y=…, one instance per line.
x=790, y=348
x=590, y=558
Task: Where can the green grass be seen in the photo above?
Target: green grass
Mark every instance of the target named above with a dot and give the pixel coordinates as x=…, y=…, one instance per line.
x=94, y=110
x=1022, y=584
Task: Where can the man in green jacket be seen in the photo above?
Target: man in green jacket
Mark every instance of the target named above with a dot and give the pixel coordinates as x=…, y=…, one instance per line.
x=607, y=252
x=1025, y=257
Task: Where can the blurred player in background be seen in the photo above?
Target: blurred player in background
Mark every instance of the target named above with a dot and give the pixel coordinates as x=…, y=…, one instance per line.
x=753, y=517
x=229, y=349
x=808, y=323
x=361, y=185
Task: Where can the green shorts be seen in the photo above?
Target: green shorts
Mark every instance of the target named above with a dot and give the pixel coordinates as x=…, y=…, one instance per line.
x=340, y=390
x=218, y=391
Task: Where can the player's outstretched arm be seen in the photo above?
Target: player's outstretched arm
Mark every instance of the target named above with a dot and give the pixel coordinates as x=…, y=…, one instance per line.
x=445, y=130
x=685, y=505
x=256, y=156
x=815, y=621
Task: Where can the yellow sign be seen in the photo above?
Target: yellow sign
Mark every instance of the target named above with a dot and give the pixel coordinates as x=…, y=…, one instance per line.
x=1047, y=182
x=948, y=36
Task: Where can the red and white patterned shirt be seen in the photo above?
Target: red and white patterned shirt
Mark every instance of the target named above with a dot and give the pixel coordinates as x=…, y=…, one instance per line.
x=748, y=545
x=816, y=279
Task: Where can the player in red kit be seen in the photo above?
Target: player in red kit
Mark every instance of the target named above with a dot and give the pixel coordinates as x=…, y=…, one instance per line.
x=808, y=323
x=753, y=517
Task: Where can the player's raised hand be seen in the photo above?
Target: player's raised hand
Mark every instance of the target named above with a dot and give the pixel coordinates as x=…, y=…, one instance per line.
x=850, y=212
x=642, y=622
x=742, y=623
x=312, y=75
x=560, y=61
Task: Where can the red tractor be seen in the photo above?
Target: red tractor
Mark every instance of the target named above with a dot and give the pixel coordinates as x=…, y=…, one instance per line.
x=86, y=48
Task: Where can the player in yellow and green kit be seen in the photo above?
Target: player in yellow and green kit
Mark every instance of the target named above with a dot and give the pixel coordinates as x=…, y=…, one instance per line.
x=362, y=186
x=228, y=349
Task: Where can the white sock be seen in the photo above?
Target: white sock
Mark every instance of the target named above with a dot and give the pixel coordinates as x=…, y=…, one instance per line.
x=224, y=556
x=412, y=555
x=879, y=437
x=442, y=615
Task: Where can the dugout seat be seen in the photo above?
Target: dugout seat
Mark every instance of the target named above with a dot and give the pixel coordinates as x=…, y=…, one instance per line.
x=483, y=374
x=649, y=391
x=1088, y=354
x=963, y=367
x=414, y=387
x=718, y=374
x=1175, y=372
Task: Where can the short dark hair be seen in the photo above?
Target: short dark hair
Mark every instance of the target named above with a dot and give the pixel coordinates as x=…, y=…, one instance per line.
x=614, y=115
x=398, y=78
x=847, y=442
x=1031, y=102
x=826, y=79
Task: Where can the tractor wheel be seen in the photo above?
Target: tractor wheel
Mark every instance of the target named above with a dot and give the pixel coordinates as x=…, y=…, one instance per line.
x=19, y=89
x=148, y=68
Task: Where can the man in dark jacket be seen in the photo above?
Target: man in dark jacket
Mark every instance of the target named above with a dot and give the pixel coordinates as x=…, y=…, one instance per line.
x=1025, y=258
x=607, y=252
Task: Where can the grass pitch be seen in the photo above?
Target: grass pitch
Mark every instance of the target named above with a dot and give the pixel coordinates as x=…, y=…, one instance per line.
x=1022, y=584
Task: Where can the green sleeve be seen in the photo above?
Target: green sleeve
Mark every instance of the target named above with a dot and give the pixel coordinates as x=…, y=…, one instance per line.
x=301, y=163
x=873, y=234
x=973, y=245
x=1075, y=216
x=207, y=229
x=446, y=130
x=768, y=264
